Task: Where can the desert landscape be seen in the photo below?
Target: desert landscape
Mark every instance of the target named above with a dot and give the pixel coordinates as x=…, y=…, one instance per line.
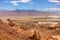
x=29, y=19
x=30, y=28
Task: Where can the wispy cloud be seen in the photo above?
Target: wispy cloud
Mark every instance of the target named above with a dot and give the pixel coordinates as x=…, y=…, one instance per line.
x=55, y=1
x=15, y=2
x=51, y=9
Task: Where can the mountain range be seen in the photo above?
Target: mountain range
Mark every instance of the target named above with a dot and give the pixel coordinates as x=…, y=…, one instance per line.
x=18, y=12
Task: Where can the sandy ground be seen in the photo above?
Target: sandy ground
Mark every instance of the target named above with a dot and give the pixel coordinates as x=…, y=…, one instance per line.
x=58, y=36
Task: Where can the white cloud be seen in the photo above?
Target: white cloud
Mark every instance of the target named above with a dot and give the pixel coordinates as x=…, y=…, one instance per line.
x=51, y=9
x=25, y=1
x=15, y=2
x=54, y=1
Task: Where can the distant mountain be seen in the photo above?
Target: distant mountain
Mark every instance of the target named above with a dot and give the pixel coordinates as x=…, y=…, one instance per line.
x=18, y=12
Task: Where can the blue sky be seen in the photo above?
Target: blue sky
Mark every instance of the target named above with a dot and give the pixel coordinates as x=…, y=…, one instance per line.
x=41, y=5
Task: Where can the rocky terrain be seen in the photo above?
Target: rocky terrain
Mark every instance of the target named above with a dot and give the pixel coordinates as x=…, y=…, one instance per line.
x=28, y=31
